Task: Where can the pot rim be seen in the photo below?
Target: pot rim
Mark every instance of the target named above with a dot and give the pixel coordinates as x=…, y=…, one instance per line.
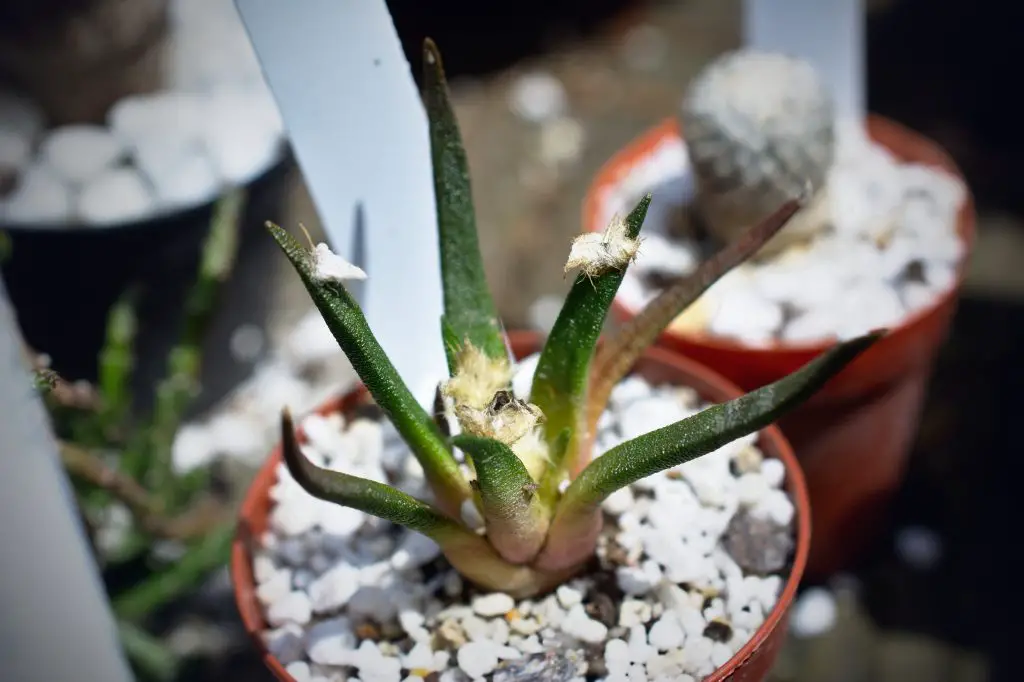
x=614, y=171
x=771, y=440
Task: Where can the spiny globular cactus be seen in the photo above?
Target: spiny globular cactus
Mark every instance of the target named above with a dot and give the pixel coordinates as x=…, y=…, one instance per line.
x=759, y=126
x=533, y=478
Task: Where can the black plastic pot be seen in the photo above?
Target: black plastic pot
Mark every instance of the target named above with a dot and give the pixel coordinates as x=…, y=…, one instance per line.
x=63, y=281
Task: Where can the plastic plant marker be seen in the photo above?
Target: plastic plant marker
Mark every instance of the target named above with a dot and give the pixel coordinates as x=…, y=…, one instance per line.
x=64, y=629
x=829, y=35
x=356, y=122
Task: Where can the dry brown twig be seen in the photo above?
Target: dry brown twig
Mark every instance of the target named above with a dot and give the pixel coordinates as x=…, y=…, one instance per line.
x=145, y=509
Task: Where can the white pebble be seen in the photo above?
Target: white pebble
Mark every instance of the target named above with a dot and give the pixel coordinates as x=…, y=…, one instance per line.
x=774, y=472
x=414, y=550
x=634, y=612
x=619, y=502
x=568, y=596
x=494, y=604
x=187, y=180
x=662, y=255
x=640, y=650
x=292, y=608
x=39, y=196
x=420, y=657
x=374, y=666
x=246, y=342
x=338, y=520
x=666, y=633
x=720, y=654
x=522, y=380
x=285, y=643
x=332, y=642
x=634, y=580
x=294, y=516
x=649, y=414
x=747, y=317
x=776, y=506
x=561, y=142
x=299, y=670
x=476, y=659
x=538, y=97
x=697, y=655
x=814, y=613
x=333, y=589
x=173, y=117
x=584, y=628
x=616, y=656
x=241, y=143
x=79, y=153
x=193, y=448
x=275, y=586
x=116, y=196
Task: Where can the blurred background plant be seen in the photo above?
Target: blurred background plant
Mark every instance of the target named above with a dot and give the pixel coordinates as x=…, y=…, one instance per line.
x=157, y=532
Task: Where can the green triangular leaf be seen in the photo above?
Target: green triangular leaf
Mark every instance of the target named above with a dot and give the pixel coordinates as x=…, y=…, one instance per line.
x=468, y=306
x=563, y=371
x=367, y=496
x=707, y=431
x=349, y=327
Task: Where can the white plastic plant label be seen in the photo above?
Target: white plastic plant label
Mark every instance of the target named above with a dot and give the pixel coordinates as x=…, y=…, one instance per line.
x=829, y=34
x=359, y=131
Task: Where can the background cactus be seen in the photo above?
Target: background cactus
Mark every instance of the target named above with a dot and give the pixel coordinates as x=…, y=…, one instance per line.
x=758, y=127
x=532, y=475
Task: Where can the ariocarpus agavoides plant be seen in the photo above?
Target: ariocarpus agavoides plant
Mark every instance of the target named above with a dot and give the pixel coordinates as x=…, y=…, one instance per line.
x=529, y=469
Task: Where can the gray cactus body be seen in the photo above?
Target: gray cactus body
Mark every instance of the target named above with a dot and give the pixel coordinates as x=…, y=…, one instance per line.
x=759, y=127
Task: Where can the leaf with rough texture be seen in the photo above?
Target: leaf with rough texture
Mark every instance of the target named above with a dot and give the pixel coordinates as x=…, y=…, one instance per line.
x=693, y=437
x=371, y=363
x=516, y=520
x=452, y=343
x=469, y=308
x=561, y=380
x=371, y=497
x=623, y=347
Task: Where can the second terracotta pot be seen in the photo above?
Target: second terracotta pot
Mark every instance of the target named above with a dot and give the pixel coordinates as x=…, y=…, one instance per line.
x=854, y=437
x=751, y=663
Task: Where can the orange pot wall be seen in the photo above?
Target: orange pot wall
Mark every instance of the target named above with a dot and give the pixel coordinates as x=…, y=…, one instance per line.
x=854, y=437
x=751, y=664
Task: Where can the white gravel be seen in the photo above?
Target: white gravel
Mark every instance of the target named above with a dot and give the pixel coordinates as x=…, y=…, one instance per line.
x=306, y=368
x=368, y=599
x=214, y=125
x=889, y=250
x=814, y=613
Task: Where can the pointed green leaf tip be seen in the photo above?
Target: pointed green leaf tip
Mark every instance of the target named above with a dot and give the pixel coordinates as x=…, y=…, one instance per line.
x=367, y=496
x=469, y=310
x=710, y=429
x=563, y=371
x=468, y=306
x=353, y=334
x=516, y=520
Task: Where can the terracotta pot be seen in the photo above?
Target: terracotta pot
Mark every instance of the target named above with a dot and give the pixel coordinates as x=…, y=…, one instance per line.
x=853, y=438
x=751, y=664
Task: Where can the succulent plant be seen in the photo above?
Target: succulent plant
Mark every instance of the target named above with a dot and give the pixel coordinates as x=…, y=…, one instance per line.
x=758, y=126
x=533, y=478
